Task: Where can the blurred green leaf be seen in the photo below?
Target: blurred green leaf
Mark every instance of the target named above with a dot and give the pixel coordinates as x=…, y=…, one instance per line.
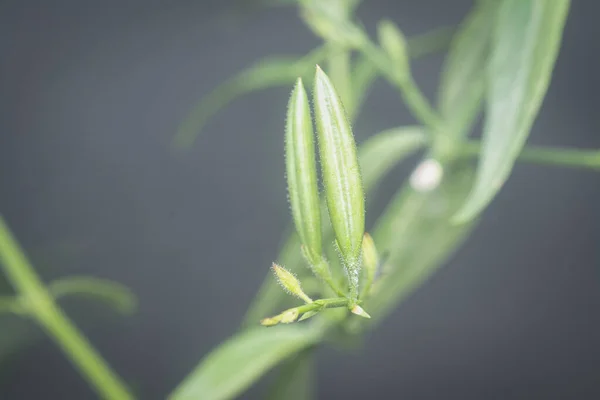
x=417, y=237
x=463, y=78
x=525, y=44
x=296, y=378
x=114, y=294
x=236, y=364
x=269, y=72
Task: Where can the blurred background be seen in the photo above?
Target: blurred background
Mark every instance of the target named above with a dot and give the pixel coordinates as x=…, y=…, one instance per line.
x=91, y=94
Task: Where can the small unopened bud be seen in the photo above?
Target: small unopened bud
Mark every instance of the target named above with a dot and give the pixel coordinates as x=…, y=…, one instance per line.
x=289, y=282
x=358, y=310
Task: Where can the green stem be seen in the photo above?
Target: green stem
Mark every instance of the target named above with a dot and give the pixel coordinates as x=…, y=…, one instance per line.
x=566, y=157
x=42, y=307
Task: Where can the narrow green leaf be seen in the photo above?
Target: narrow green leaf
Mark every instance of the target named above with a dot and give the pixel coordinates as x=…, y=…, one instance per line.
x=270, y=72
x=114, y=294
x=236, y=364
x=463, y=78
x=341, y=175
x=296, y=378
x=525, y=45
x=301, y=171
x=377, y=156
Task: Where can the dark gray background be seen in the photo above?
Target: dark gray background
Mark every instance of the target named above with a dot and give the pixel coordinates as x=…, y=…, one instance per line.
x=91, y=94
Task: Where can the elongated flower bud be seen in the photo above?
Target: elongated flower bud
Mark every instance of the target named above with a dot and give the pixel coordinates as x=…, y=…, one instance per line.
x=341, y=175
x=290, y=282
x=393, y=43
x=302, y=173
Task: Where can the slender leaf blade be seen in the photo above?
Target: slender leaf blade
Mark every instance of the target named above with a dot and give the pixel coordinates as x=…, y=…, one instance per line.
x=525, y=45
x=236, y=364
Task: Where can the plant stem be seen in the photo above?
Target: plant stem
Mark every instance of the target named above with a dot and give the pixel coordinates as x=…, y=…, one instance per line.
x=566, y=157
x=41, y=306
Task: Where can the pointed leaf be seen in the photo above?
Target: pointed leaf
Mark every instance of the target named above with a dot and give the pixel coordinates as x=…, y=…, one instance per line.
x=236, y=364
x=525, y=45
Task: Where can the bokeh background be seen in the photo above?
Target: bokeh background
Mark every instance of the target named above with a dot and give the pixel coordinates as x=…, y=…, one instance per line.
x=91, y=94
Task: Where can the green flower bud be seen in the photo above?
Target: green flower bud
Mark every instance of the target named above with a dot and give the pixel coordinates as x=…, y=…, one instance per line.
x=341, y=175
x=289, y=282
x=393, y=43
x=301, y=169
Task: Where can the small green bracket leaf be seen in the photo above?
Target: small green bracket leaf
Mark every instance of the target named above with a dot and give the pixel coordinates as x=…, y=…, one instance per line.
x=525, y=45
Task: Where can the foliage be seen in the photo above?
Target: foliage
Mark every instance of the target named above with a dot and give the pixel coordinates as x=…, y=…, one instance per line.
x=500, y=60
